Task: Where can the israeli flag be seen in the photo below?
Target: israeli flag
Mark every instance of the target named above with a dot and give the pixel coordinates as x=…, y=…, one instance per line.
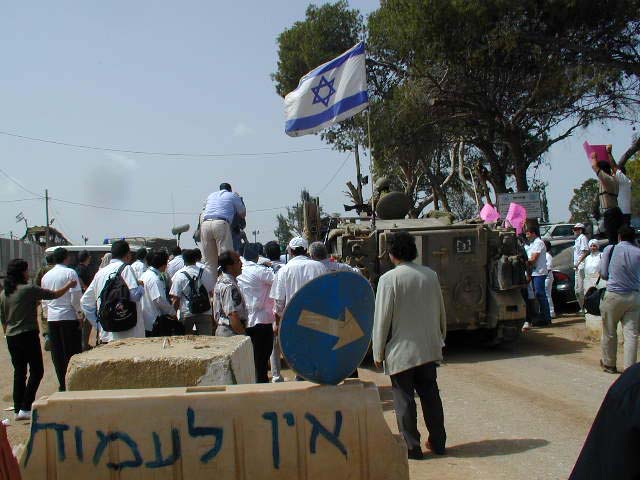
x=329, y=94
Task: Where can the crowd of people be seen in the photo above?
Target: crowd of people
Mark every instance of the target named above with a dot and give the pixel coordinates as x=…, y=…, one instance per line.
x=213, y=291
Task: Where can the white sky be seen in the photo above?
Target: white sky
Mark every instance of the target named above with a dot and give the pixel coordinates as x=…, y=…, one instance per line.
x=187, y=77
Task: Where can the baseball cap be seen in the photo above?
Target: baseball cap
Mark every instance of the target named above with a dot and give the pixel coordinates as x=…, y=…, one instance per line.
x=578, y=225
x=298, y=242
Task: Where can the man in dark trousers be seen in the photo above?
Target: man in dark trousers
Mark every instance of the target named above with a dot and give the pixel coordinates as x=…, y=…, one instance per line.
x=408, y=335
x=611, y=448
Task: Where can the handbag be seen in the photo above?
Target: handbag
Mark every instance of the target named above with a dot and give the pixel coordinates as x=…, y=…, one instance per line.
x=593, y=296
x=165, y=326
x=592, y=299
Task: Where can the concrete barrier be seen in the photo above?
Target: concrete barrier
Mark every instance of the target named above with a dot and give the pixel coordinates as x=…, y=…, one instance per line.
x=295, y=430
x=155, y=363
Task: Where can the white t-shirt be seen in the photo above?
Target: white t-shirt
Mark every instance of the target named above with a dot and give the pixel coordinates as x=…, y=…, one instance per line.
x=540, y=267
x=255, y=285
x=154, y=300
x=91, y=299
x=180, y=285
x=580, y=247
x=67, y=306
x=139, y=267
x=549, y=265
x=291, y=277
x=174, y=265
x=332, y=266
x=624, y=192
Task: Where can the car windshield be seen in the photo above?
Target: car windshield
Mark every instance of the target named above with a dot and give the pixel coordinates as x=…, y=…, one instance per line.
x=544, y=229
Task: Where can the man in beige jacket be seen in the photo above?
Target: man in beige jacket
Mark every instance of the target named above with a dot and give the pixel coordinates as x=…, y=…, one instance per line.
x=408, y=335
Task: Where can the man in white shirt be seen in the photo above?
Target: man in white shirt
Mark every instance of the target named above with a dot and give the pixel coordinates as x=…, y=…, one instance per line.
x=538, y=262
x=624, y=193
x=120, y=257
x=255, y=284
x=140, y=265
x=291, y=277
x=299, y=270
x=182, y=284
x=580, y=252
x=155, y=302
x=272, y=252
x=176, y=263
x=63, y=314
x=318, y=251
x=215, y=230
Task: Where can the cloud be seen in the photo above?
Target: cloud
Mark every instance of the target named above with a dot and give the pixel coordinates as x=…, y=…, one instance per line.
x=111, y=182
x=242, y=130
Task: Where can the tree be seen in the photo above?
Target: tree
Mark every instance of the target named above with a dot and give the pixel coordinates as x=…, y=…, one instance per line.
x=292, y=224
x=633, y=172
x=491, y=86
x=581, y=204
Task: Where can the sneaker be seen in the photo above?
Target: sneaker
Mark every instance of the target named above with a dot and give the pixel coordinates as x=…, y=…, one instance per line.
x=526, y=327
x=6, y=422
x=277, y=379
x=607, y=369
x=415, y=454
x=23, y=415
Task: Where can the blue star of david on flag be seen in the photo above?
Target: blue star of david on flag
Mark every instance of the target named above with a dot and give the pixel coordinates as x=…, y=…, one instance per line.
x=317, y=98
x=330, y=93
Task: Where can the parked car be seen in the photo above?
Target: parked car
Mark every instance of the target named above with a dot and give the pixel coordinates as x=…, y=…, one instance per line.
x=556, y=230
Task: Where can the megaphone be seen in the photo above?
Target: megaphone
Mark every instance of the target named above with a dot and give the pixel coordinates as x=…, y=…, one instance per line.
x=180, y=229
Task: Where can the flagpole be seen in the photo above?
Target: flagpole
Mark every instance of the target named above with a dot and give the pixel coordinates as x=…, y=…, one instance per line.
x=373, y=210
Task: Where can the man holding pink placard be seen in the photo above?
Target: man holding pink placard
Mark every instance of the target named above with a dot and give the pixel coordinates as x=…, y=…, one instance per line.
x=608, y=195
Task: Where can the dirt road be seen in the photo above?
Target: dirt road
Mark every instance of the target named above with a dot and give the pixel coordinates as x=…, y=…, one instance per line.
x=516, y=413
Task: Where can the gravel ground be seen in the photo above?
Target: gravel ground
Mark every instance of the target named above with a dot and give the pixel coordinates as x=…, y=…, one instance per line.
x=511, y=413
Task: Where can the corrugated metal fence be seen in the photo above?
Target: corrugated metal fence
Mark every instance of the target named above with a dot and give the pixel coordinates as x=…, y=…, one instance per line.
x=10, y=249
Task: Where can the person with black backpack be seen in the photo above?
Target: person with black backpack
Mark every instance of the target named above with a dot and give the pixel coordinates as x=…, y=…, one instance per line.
x=113, y=297
x=191, y=289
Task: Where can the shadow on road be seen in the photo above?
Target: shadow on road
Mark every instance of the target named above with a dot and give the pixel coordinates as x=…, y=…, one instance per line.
x=549, y=341
x=495, y=447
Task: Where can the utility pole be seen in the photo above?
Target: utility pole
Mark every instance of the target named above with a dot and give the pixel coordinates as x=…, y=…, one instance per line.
x=85, y=239
x=356, y=154
x=46, y=207
x=255, y=236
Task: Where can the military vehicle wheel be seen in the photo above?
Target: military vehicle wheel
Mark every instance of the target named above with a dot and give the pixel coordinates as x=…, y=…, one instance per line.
x=505, y=333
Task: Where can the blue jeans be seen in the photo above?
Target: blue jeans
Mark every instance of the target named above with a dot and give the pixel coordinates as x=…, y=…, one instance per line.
x=541, y=296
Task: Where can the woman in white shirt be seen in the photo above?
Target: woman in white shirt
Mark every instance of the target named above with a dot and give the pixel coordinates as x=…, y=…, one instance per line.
x=548, y=282
x=592, y=266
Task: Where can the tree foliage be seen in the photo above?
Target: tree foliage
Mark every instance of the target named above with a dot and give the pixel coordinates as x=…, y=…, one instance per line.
x=468, y=97
x=582, y=202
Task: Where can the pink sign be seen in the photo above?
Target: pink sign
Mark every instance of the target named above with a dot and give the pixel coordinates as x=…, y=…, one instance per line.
x=600, y=150
x=516, y=217
x=489, y=214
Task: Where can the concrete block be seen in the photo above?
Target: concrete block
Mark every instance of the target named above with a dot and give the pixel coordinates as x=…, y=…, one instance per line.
x=295, y=430
x=154, y=363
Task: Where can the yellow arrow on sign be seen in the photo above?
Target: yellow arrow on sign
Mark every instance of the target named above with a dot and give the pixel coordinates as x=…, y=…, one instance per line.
x=347, y=332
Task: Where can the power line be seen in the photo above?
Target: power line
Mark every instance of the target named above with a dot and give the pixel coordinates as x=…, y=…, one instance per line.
x=16, y=182
x=20, y=200
x=163, y=154
x=148, y=212
x=334, y=175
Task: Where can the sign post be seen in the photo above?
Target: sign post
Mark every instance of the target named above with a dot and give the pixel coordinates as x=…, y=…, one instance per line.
x=326, y=328
x=529, y=200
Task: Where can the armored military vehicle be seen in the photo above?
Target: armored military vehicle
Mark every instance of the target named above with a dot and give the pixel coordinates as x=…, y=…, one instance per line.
x=481, y=269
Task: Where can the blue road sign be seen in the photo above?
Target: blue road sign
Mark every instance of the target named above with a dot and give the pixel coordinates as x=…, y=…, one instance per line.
x=326, y=327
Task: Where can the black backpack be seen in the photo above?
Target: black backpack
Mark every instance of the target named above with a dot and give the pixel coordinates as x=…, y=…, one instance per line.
x=117, y=313
x=198, y=296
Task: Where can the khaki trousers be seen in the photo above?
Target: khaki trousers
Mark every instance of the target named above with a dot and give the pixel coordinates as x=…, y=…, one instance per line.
x=625, y=308
x=579, y=287
x=215, y=236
